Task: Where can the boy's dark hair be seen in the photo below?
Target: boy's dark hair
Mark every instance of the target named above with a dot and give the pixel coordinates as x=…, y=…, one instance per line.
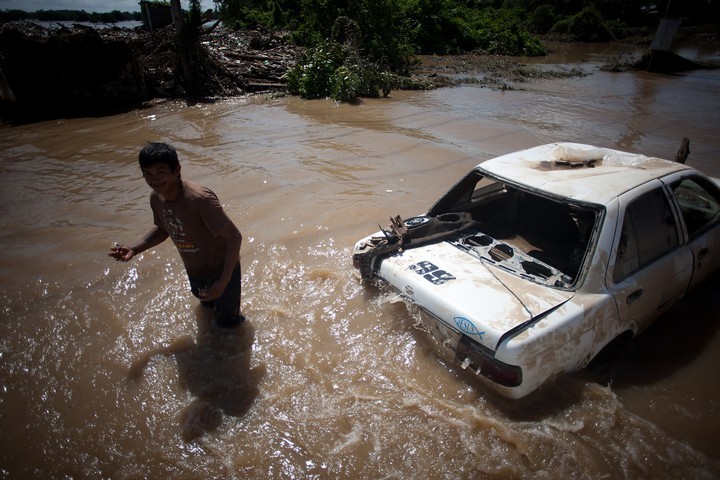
x=156, y=152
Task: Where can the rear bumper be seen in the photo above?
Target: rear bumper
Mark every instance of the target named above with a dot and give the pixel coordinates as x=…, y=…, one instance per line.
x=459, y=349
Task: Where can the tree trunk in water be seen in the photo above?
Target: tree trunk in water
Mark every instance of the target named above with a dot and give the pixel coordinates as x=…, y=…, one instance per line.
x=184, y=50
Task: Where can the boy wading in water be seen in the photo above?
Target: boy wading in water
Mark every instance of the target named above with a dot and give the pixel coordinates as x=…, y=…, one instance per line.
x=191, y=215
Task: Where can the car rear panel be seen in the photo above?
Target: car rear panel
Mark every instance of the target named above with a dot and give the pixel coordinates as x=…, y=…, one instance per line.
x=482, y=301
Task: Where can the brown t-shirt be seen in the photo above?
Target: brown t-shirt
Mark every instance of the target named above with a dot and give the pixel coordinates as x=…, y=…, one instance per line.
x=194, y=221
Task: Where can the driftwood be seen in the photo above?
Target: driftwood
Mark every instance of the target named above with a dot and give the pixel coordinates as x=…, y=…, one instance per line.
x=256, y=60
x=684, y=151
x=234, y=62
x=248, y=56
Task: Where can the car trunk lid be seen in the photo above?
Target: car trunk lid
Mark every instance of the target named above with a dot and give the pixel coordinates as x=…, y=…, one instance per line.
x=484, y=301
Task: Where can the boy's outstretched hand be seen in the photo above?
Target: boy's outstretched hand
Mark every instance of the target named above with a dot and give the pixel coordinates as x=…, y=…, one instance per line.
x=121, y=253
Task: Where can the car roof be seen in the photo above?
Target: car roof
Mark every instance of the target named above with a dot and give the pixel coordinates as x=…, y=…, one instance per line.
x=581, y=172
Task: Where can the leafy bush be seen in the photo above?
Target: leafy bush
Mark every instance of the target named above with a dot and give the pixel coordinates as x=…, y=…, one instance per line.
x=586, y=26
x=335, y=70
x=542, y=19
x=313, y=75
x=460, y=29
x=510, y=40
x=346, y=84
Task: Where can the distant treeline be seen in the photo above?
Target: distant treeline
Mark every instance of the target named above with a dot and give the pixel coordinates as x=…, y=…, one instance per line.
x=69, y=16
x=453, y=26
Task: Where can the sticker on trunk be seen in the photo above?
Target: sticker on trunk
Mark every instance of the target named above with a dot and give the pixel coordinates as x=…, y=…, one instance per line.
x=466, y=326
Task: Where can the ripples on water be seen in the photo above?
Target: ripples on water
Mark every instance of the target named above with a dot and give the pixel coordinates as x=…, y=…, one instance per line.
x=112, y=370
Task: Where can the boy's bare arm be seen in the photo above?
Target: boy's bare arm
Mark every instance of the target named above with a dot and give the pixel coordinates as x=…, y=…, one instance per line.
x=153, y=237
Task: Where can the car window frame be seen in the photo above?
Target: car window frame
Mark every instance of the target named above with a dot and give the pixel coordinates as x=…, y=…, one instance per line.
x=626, y=201
x=709, y=186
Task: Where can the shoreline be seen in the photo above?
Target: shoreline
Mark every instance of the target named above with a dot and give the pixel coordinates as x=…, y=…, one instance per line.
x=124, y=69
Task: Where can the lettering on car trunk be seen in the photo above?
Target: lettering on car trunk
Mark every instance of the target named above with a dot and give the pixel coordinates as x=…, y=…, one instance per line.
x=431, y=273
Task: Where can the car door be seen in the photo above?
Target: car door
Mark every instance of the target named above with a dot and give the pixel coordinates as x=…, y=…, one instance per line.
x=651, y=266
x=698, y=201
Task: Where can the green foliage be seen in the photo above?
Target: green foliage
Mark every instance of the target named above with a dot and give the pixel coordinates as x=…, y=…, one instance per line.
x=587, y=26
x=499, y=32
x=346, y=84
x=312, y=77
x=336, y=71
x=392, y=31
x=542, y=19
x=434, y=27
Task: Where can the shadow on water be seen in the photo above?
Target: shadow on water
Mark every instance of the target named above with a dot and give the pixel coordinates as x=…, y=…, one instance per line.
x=672, y=342
x=215, y=369
x=675, y=340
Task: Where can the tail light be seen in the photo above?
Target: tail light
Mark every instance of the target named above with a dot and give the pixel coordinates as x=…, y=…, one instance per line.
x=471, y=354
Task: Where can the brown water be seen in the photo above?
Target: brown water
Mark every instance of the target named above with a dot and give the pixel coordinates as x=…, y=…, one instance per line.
x=110, y=370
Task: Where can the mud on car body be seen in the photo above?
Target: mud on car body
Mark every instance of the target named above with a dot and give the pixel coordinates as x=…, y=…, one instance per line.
x=536, y=260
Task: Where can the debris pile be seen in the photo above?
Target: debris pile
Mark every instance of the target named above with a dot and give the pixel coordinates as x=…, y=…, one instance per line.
x=84, y=70
x=259, y=58
x=230, y=62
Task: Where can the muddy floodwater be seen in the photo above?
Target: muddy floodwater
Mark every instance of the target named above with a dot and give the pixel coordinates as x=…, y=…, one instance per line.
x=111, y=370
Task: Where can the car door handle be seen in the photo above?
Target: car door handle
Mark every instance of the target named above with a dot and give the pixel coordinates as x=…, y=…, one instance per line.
x=702, y=254
x=634, y=296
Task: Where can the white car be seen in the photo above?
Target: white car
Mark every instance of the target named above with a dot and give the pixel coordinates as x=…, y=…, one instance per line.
x=536, y=260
